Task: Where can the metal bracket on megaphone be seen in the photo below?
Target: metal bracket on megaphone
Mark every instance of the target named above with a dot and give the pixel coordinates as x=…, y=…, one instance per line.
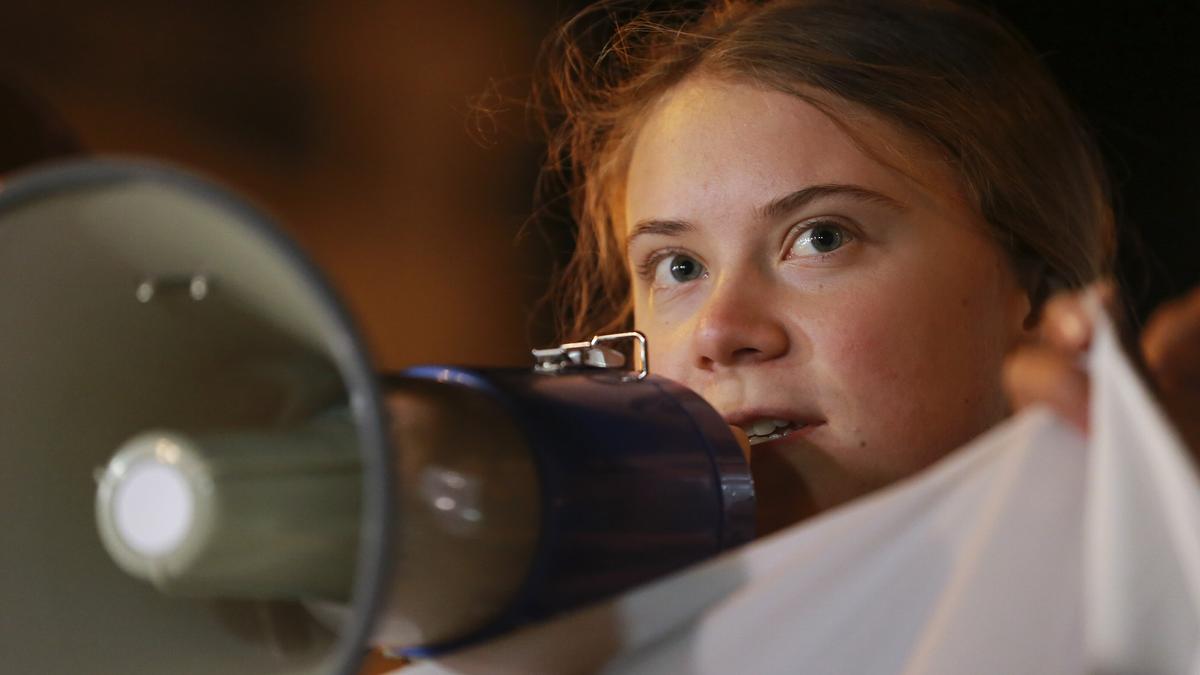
x=573, y=356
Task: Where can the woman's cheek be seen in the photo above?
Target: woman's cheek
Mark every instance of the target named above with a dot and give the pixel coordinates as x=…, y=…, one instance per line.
x=880, y=385
x=856, y=347
x=668, y=347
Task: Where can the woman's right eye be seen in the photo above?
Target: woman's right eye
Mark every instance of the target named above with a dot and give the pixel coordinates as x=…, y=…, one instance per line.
x=677, y=268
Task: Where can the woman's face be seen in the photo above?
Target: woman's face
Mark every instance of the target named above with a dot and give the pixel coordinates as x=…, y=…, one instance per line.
x=793, y=279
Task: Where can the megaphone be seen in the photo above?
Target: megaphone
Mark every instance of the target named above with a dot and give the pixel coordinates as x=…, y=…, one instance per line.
x=201, y=472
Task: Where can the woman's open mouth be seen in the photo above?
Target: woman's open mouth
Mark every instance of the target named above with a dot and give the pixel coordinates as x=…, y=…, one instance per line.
x=765, y=431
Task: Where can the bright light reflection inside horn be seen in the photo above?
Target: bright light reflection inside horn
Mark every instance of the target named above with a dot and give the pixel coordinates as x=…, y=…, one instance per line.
x=153, y=508
x=166, y=451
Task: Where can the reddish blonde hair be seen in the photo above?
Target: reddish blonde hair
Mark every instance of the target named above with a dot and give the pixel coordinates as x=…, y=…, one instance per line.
x=952, y=76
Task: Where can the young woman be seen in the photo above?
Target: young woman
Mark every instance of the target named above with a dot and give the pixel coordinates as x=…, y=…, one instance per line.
x=840, y=223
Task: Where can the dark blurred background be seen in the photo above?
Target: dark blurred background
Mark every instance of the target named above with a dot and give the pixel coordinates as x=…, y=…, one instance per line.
x=1133, y=68
x=351, y=122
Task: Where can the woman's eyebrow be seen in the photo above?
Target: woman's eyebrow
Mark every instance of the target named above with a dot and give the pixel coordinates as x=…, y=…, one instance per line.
x=670, y=228
x=805, y=196
x=777, y=208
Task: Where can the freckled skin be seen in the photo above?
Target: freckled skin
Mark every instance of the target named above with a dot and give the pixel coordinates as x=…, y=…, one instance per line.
x=894, y=341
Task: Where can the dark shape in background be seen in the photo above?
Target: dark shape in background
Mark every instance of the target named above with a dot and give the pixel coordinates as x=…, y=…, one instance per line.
x=43, y=134
x=1134, y=70
x=348, y=121
x=351, y=121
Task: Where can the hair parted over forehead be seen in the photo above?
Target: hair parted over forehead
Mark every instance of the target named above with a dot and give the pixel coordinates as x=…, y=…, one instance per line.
x=952, y=76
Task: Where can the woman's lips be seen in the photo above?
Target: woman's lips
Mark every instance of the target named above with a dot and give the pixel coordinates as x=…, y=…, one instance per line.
x=766, y=428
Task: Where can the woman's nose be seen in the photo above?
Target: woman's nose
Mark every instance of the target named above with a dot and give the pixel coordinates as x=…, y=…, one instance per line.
x=738, y=324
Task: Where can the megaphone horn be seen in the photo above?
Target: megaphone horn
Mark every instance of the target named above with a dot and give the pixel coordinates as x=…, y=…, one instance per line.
x=201, y=472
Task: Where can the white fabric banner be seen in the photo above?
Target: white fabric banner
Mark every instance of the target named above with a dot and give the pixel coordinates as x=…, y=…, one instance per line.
x=1031, y=550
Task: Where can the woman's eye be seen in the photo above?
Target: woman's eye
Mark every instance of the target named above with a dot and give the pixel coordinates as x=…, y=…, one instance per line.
x=677, y=269
x=821, y=238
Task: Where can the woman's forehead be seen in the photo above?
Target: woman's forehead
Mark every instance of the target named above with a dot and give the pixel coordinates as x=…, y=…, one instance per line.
x=713, y=145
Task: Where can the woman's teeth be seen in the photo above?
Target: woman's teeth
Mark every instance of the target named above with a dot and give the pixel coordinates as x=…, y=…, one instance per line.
x=768, y=430
x=765, y=427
